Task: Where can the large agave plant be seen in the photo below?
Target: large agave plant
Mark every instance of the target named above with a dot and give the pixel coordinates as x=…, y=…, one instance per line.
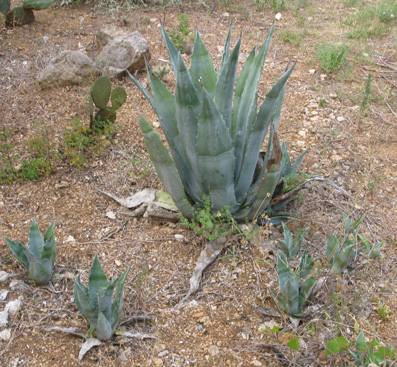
x=39, y=258
x=215, y=132
x=97, y=304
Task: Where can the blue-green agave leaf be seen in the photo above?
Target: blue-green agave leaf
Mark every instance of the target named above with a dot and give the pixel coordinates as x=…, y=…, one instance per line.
x=97, y=282
x=118, y=300
x=298, y=161
x=305, y=291
x=287, y=245
x=49, y=248
x=103, y=329
x=83, y=303
x=172, y=51
x=332, y=246
x=201, y=68
x=265, y=192
x=165, y=168
x=283, y=271
x=36, y=242
x=105, y=301
x=225, y=53
x=188, y=109
x=166, y=111
x=239, y=89
x=291, y=296
x=248, y=104
x=215, y=155
x=343, y=257
x=142, y=89
x=225, y=86
x=258, y=132
x=39, y=273
x=286, y=165
x=20, y=251
x=306, y=265
x=279, y=299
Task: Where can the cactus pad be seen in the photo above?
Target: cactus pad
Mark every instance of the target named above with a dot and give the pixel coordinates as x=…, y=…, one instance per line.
x=100, y=92
x=19, y=16
x=118, y=97
x=37, y=4
x=5, y=6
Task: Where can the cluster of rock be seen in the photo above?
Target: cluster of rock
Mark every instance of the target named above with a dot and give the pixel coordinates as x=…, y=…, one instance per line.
x=120, y=51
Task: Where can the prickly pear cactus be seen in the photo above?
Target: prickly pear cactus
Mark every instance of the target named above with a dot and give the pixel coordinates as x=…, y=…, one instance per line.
x=100, y=92
x=118, y=97
x=5, y=6
x=19, y=16
x=37, y=4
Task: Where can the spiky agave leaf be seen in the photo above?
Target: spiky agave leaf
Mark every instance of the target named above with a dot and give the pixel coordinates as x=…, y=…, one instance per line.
x=20, y=251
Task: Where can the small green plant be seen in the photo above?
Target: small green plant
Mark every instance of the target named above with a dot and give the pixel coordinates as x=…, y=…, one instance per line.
x=80, y=141
x=363, y=353
x=210, y=225
x=384, y=311
x=179, y=37
x=331, y=56
x=101, y=92
x=342, y=250
x=22, y=14
x=95, y=302
x=39, y=164
x=39, y=258
x=323, y=102
x=294, y=37
x=287, y=245
x=375, y=20
x=275, y=4
x=8, y=173
x=161, y=71
x=295, y=290
x=367, y=92
x=373, y=251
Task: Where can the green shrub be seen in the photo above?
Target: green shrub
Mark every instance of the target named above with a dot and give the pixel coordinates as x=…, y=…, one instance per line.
x=331, y=56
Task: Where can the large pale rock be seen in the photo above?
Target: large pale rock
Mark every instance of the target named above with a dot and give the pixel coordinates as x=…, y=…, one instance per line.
x=123, y=52
x=69, y=67
x=108, y=33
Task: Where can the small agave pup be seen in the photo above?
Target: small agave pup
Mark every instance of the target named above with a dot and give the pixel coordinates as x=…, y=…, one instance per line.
x=95, y=302
x=215, y=132
x=40, y=256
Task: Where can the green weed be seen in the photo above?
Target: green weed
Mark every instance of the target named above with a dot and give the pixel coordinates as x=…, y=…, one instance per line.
x=80, y=141
x=331, y=56
x=294, y=37
x=210, y=225
x=181, y=36
x=367, y=92
x=376, y=20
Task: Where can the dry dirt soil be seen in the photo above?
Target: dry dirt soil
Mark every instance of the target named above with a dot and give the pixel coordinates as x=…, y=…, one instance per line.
x=221, y=324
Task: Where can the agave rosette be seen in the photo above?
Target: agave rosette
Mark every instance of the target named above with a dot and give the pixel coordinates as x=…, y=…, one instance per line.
x=97, y=304
x=215, y=131
x=39, y=258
